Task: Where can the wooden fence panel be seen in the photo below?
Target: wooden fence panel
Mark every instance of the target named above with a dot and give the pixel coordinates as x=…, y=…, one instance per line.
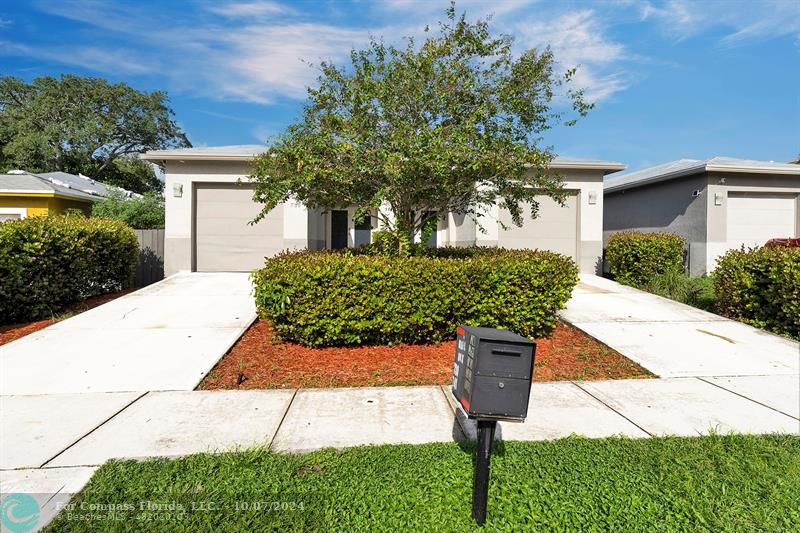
x=151, y=256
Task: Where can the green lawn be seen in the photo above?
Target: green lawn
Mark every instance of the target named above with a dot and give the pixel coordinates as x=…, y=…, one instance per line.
x=731, y=483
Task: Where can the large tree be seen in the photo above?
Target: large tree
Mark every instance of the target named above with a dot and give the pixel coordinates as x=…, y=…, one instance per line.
x=88, y=125
x=454, y=125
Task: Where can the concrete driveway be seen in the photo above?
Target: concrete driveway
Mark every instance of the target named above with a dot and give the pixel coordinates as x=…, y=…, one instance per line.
x=675, y=340
x=164, y=337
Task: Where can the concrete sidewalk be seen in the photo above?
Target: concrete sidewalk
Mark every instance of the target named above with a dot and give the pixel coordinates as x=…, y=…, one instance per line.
x=675, y=340
x=166, y=336
x=59, y=441
x=171, y=424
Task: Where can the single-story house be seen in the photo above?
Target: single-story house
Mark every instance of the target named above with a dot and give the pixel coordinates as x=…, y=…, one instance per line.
x=209, y=206
x=25, y=194
x=716, y=204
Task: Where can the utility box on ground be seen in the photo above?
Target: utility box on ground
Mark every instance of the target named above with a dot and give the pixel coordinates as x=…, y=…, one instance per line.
x=492, y=373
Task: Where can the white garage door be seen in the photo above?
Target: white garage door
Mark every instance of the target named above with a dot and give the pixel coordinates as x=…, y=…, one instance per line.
x=555, y=228
x=755, y=218
x=224, y=241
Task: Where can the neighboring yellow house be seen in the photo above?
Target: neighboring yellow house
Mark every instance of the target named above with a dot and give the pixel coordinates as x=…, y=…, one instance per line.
x=23, y=194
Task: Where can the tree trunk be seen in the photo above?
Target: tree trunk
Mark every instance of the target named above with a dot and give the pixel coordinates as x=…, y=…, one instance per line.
x=404, y=228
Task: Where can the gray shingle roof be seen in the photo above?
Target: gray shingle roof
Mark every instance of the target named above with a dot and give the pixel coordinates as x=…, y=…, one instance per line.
x=25, y=182
x=81, y=183
x=59, y=183
x=687, y=167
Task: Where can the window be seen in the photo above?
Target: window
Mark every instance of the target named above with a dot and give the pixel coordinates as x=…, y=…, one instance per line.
x=12, y=213
x=363, y=233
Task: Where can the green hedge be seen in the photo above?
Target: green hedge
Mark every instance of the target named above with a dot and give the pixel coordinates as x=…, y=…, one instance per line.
x=761, y=287
x=48, y=263
x=635, y=258
x=330, y=299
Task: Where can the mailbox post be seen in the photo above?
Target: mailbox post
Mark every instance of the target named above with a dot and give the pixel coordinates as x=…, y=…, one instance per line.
x=492, y=377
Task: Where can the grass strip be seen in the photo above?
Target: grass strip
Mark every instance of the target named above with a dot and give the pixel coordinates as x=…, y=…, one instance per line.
x=712, y=483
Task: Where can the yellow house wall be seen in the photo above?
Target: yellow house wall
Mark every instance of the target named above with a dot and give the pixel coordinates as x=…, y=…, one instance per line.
x=59, y=205
x=43, y=205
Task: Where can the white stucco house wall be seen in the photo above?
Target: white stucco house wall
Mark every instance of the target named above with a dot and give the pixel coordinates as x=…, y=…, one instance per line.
x=209, y=206
x=716, y=204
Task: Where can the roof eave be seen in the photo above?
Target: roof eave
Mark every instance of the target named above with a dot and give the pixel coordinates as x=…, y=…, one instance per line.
x=155, y=156
x=698, y=170
x=752, y=170
x=41, y=192
x=90, y=199
x=607, y=168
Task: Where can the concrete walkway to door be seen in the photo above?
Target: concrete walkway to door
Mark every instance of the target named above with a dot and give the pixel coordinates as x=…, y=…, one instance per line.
x=164, y=337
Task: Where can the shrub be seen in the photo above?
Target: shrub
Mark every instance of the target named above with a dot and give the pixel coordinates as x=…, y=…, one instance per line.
x=329, y=298
x=675, y=285
x=145, y=212
x=636, y=257
x=47, y=263
x=761, y=287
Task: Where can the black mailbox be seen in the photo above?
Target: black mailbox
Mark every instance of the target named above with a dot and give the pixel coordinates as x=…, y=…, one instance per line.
x=492, y=373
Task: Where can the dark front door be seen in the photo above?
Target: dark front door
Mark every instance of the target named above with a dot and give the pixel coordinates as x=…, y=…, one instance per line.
x=338, y=229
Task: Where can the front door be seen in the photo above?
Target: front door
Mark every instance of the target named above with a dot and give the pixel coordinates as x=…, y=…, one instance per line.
x=338, y=229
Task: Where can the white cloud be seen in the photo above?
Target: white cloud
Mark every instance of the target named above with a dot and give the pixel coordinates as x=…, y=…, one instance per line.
x=678, y=18
x=762, y=19
x=250, y=9
x=258, y=55
x=778, y=18
x=578, y=40
x=473, y=8
x=254, y=51
x=276, y=60
x=251, y=60
x=88, y=57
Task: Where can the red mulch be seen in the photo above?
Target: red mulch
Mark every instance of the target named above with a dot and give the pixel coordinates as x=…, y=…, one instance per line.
x=15, y=331
x=259, y=361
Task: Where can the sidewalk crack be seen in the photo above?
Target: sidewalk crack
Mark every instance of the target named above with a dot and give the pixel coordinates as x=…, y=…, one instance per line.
x=98, y=426
x=612, y=409
x=280, y=424
x=745, y=397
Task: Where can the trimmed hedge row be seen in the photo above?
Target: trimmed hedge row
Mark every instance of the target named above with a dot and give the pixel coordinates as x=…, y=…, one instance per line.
x=635, y=257
x=761, y=287
x=47, y=263
x=333, y=299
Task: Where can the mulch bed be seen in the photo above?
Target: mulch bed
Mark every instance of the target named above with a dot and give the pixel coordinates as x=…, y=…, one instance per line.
x=260, y=361
x=16, y=331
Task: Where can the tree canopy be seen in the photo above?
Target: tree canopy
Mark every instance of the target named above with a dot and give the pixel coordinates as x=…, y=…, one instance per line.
x=145, y=212
x=87, y=125
x=453, y=124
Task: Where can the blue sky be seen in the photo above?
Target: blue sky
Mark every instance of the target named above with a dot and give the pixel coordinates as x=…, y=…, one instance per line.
x=671, y=79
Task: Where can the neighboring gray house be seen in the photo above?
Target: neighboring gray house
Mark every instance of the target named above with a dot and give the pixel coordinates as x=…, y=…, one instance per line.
x=24, y=194
x=208, y=210
x=716, y=204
